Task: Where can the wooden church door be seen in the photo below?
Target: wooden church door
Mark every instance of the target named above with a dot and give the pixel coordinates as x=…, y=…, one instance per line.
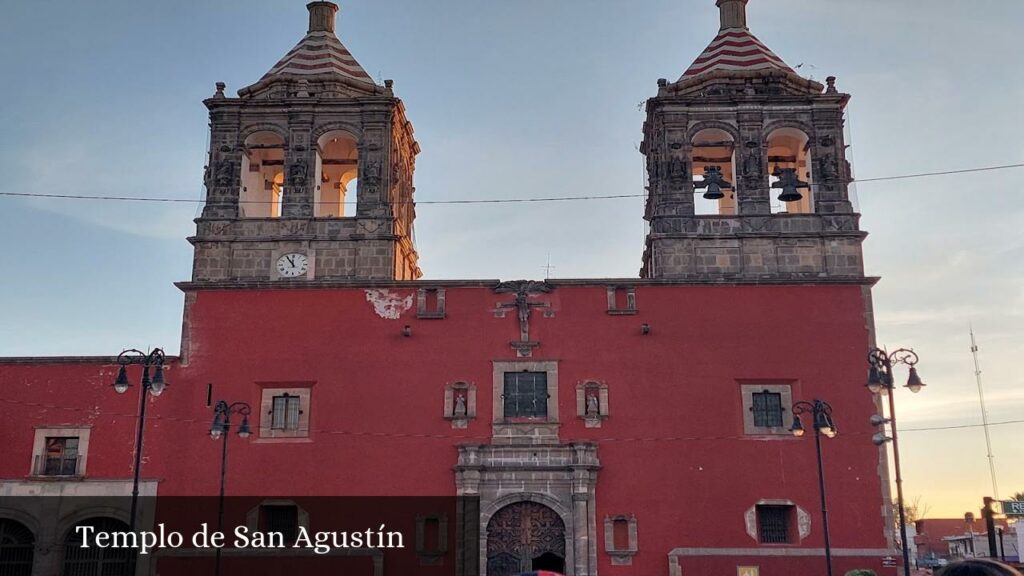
x=525, y=536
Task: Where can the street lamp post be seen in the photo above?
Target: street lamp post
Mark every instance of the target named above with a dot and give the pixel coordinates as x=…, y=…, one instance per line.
x=821, y=414
x=880, y=380
x=222, y=412
x=148, y=386
x=154, y=386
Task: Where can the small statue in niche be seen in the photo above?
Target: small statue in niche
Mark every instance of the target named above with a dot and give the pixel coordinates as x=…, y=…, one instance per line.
x=297, y=173
x=676, y=169
x=827, y=166
x=460, y=406
x=225, y=172
x=751, y=161
x=593, y=407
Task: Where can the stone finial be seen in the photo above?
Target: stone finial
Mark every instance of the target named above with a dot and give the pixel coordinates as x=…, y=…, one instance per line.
x=321, y=16
x=733, y=13
x=831, y=81
x=220, y=90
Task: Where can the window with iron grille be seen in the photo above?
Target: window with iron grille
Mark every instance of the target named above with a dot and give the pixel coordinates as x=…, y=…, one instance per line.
x=767, y=407
x=773, y=524
x=283, y=518
x=526, y=394
x=285, y=412
x=17, y=547
x=61, y=457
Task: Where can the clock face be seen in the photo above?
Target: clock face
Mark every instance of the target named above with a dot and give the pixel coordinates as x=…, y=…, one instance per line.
x=292, y=265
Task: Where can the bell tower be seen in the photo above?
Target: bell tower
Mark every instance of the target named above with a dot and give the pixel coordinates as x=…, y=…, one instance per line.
x=310, y=172
x=747, y=177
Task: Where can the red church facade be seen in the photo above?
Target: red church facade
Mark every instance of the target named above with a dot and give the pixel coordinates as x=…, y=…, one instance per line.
x=648, y=419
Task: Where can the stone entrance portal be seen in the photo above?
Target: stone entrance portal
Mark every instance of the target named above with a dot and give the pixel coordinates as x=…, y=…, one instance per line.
x=536, y=506
x=525, y=536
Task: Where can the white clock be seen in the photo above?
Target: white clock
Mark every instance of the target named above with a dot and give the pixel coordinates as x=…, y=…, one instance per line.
x=292, y=265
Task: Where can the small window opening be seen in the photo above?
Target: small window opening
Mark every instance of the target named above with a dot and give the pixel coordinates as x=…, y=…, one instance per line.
x=773, y=523
x=526, y=394
x=767, y=408
x=281, y=518
x=285, y=411
x=61, y=457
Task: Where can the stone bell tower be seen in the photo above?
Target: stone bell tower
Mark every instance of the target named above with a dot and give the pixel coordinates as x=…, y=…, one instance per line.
x=310, y=172
x=747, y=177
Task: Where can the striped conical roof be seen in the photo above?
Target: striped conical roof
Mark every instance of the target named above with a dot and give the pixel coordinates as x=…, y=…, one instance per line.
x=735, y=49
x=319, y=52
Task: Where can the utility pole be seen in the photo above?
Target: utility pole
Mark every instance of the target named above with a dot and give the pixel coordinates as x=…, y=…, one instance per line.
x=984, y=417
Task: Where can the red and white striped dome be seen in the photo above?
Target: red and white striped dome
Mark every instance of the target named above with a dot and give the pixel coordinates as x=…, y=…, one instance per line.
x=319, y=52
x=735, y=49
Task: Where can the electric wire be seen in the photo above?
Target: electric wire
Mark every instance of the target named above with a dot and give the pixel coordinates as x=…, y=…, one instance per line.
x=423, y=435
x=477, y=200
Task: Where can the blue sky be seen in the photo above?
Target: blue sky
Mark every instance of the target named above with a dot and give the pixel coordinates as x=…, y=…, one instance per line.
x=528, y=98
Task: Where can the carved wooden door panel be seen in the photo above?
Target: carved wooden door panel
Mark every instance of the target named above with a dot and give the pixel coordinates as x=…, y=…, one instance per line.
x=521, y=533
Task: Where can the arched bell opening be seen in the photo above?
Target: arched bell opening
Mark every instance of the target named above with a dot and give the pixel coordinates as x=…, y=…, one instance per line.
x=262, y=176
x=337, y=170
x=714, y=176
x=789, y=172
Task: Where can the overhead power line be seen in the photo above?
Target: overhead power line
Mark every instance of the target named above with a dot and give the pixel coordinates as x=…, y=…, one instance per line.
x=475, y=200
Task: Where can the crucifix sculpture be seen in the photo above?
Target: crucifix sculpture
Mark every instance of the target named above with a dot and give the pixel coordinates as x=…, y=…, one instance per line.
x=522, y=289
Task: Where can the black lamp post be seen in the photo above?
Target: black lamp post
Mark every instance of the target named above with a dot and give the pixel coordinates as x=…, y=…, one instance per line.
x=821, y=414
x=880, y=380
x=148, y=386
x=154, y=386
x=220, y=429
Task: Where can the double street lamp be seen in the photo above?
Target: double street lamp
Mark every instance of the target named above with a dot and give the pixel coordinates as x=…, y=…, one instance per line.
x=148, y=386
x=220, y=430
x=881, y=381
x=821, y=416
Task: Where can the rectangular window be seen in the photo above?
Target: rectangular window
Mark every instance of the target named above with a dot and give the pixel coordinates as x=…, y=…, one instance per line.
x=281, y=518
x=767, y=409
x=526, y=394
x=285, y=412
x=61, y=457
x=773, y=524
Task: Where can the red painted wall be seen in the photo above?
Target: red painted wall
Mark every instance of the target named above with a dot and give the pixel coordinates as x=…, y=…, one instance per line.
x=672, y=451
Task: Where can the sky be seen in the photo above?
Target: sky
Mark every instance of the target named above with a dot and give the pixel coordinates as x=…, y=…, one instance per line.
x=532, y=98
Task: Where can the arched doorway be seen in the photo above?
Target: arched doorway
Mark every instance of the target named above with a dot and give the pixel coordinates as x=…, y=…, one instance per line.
x=525, y=536
x=93, y=561
x=17, y=546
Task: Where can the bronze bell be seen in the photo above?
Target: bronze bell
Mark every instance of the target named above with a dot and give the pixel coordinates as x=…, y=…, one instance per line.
x=714, y=183
x=789, y=182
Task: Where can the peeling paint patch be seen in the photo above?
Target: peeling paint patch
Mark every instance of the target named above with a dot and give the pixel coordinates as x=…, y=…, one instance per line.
x=388, y=304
